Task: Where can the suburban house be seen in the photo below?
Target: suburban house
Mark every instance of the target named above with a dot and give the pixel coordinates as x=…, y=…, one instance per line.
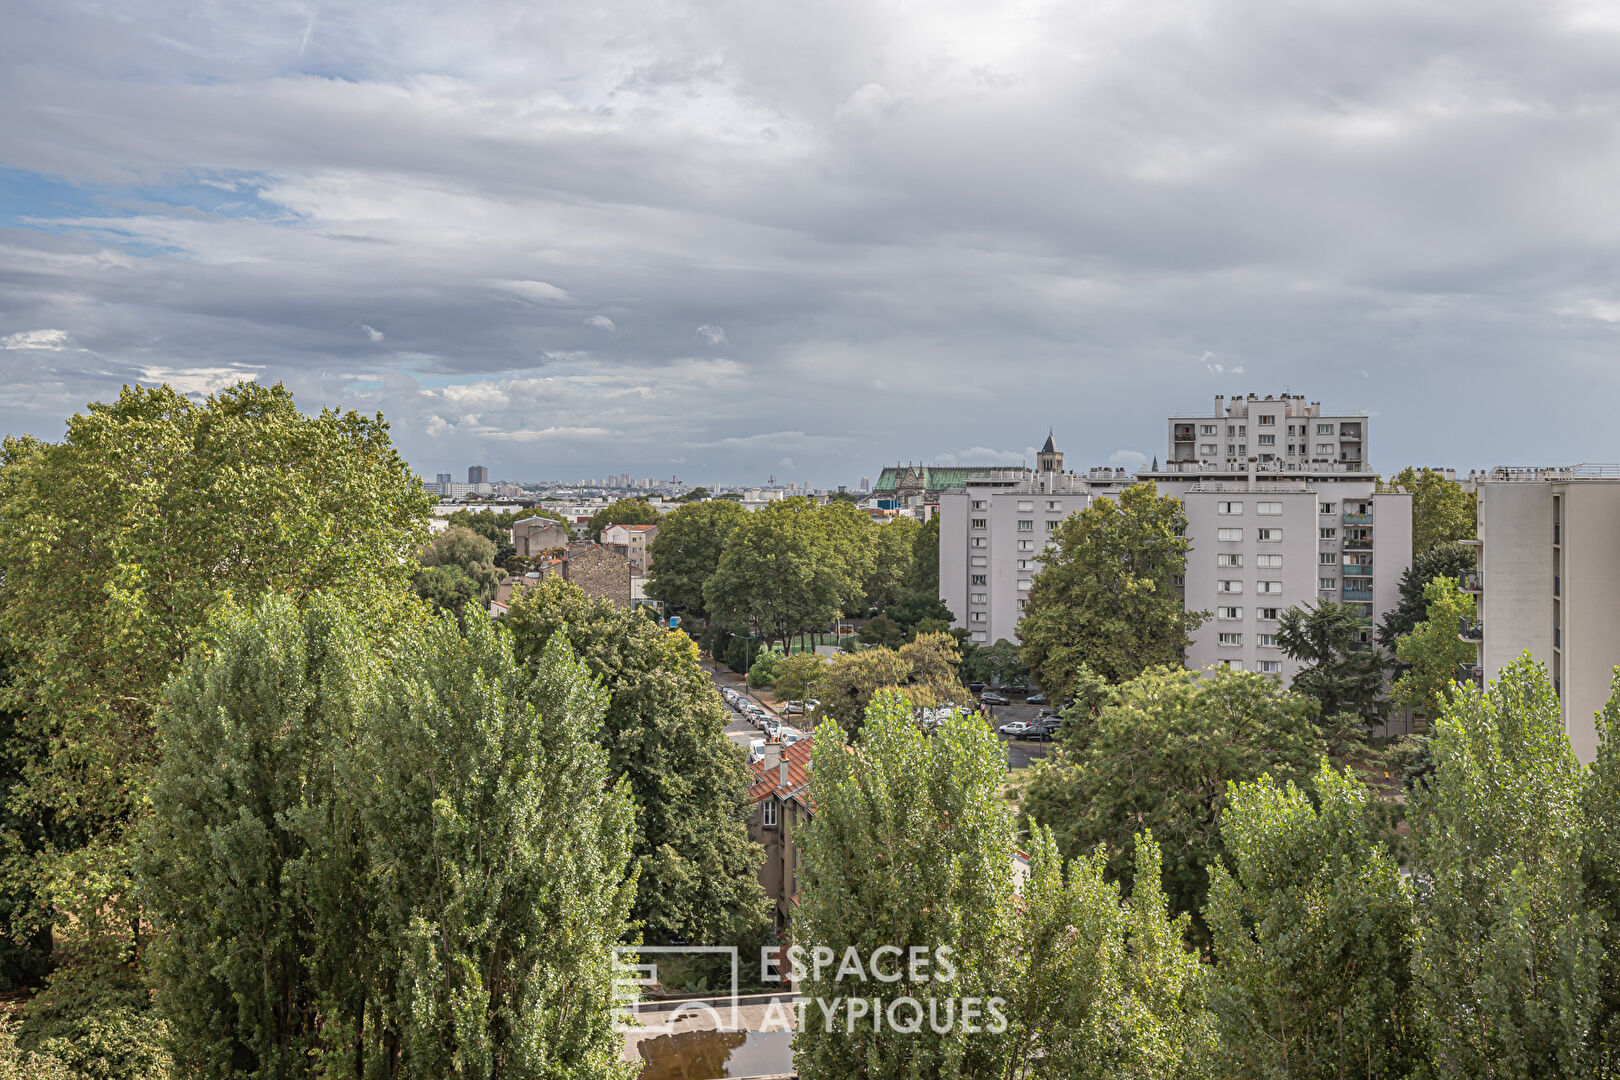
x=631, y=541
x=781, y=799
x=601, y=573
x=536, y=535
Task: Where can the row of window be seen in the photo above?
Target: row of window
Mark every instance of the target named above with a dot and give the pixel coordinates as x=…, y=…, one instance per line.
x=1267, y=641
x=1265, y=562
x=1230, y=614
x=1264, y=509
x=1232, y=536
x=1264, y=667
x=1025, y=506
x=1263, y=587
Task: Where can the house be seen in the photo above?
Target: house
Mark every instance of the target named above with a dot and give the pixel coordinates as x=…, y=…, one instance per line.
x=780, y=796
x=631, y=541
x=536, y=535
x=602, y=574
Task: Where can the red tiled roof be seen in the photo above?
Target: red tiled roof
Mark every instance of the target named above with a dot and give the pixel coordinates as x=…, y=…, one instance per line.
x=767, y=779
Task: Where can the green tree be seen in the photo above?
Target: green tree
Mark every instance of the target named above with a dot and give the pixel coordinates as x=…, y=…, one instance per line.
x=1442, y=512
x=635, y=511
x=778, y=576
x=1446, y=560
x=850, y=553
x=686, y=552
x=1000, y=664
x=1341, y=670
x=798, y=675
x=1160, y=756
x=361, y=868
x=697, y=494
x=1103, y=990
x=1433, y=651
x=924, y=670
x=883, y=631
x=456, y=557
x=1508, y=965
x=114, y=545
x=762, y=672
x=925, y=559
x=1106, y=594
x=911, y=844
x=1601, y=810
x=665, y=732
x=1313, y=936
x=893, y=546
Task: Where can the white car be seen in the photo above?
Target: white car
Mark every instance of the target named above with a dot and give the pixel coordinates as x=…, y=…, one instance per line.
x=1014, y=729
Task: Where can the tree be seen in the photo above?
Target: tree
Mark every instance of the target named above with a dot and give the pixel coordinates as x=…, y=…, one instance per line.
x=665, y=732
x=797, y=676
x=636, y=511
x=1446, y=560
x=893, y=546
x=924, y=670
x=362, y=868
x=1442, y=512
x=1160, y=756
x=1106, y=595
x=1601, y=810
x=925, y=559
x=762, y=672
x=1313, y=936
x=1341, y=671
x=911, y=844
x=1000, y=664
x=778, y=576
x=1103, y=990
x=114, y=545
x=697, y=494
x=686, y=553
x=850, y=553
x=456, y=557
x=1433, y=651
x=1508, y=964
x=883, y=631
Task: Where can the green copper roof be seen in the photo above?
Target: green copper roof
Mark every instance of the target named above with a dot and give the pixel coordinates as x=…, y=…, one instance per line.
x=934, y=478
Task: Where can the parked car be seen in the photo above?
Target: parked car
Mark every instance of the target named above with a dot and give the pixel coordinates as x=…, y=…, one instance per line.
x=773, y=728
x=800, y=708
x=1036, y=699
x=790, y=737
x=1046, y=729
x=990, y=697
x=976, y=686
x=1014, y=729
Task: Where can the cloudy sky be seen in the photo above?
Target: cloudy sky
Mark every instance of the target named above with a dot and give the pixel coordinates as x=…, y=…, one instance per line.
x=727, y=239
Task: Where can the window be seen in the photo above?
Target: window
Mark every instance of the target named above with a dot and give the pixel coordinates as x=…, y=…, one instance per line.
x=1269, y=587
x=1265, y=613
x=1023, y=585
x=1228, y=535
x=1324, y=429
x=1327, y=584
x=980, y=635
x=978, y=616
x=981, y=523
x=1268, y=420
x=1328, y=508
x=1026, y=564
x=1054, y=506
x=1330, y=534
x=1268, y=562
x=1235, y=665
x=1229, y=586
x=1268, y=440
x=1268, y=509
x=1269, y=667
x=1026, y=506
x=1021, y=603
x=1229, y=508
x=978, y=598
x=977, y=504
x=1051, y=525
x=1324, y=449
x=1231, y=639
x=1231, y=430
x=1243, y=429
x=1229, y=613
x=979, y=560
x=1268, y=641
x=1209, y=449
x=1328, y=558
x=770, y=813
x=1225, y=559
x=980, y=542
x=977, y=579
x=1268, y=536
x=1231, y=451
x=1209, y=429
x=1026, y=525
x=1243, y=449
x=1178, y=580
x=1026, y=545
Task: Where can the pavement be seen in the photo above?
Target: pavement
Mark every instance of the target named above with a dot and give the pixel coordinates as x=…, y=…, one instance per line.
x=739, y=730
x=1020, y=752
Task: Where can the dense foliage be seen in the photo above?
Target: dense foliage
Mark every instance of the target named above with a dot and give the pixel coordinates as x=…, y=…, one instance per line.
x=1444, y=561
x=1442, y=512
x=1342, y=670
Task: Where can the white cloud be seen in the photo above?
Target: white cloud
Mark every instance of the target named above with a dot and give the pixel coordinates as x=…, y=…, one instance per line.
x=1128, y=459
x=714, y=335
x=601, y=322
x=868, y=105
x=786, y=463
x=372, y=334
x=539, y=292
x=39, y=340
x=197, y=381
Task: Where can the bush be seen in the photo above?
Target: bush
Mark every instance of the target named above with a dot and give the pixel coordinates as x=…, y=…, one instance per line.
x=762, y=672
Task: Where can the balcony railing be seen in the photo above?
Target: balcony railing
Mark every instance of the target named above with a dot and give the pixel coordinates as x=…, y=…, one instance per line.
x=1357, y=570
x=1358, y=545
x=1356, y=595
x=1471, y=673
x=1471, y=581
x=1357, y=519
x=1470, y=629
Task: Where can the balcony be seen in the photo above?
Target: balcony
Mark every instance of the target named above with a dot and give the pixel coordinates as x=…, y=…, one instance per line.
x=1470, y=629
x=1471, y=581
x=1355, y=596
x=1357, y=519
x=1358, y=570
x=1471, y=673
x=1358, y=545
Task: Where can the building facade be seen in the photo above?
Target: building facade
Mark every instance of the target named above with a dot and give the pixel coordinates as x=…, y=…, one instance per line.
x=1282, y=508
x=631, y=541
x=535, y=535
x=780, y=796
x=1547, y=584
x=477, y=474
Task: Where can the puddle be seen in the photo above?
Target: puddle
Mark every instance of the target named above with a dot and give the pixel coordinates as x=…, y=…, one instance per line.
x=709, y=1055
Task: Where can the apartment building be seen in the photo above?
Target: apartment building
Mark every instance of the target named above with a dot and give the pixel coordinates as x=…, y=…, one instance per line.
x=632, y=542
x=993, y=528
x=780, y=798
x=1548, y=584
x=1282, y=508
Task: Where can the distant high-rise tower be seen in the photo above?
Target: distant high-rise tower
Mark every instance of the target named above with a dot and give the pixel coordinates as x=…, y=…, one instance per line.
x=442, y=479
x=866, y=483
x=477, y=474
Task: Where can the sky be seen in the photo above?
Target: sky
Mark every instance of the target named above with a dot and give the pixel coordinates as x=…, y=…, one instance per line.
x=727, y=240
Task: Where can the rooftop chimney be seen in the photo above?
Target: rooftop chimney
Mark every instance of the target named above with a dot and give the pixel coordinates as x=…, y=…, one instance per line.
x=782, y=774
